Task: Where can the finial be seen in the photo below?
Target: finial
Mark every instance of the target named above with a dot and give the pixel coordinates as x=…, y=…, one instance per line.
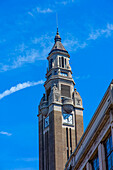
x=57, y=31
x=57, y=37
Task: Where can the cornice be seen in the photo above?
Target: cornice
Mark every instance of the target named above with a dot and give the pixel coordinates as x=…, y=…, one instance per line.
x=58, y=77
x=58, y=52
x=110, y=105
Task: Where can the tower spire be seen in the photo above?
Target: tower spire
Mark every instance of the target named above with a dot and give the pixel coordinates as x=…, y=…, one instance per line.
x=57, y=37
x=57, y=31
x=60, y=111
x=58, y=45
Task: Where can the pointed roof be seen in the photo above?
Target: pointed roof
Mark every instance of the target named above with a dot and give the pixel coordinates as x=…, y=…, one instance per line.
x=58, y=45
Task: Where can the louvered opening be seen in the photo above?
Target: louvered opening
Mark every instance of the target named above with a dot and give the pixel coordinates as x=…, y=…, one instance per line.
x=48, y=93
x=65, y=90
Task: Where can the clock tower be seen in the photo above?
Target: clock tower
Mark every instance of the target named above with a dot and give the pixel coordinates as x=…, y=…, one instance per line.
x=60, y=111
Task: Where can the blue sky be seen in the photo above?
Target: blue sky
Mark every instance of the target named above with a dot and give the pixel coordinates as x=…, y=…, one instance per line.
x=27, y=30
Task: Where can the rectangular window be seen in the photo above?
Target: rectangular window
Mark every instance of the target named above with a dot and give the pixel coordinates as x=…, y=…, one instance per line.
x=63, y=62
x=70, y=142
x=65, y=90
x=48, y=93
x=60, y=64
x=109, y=153
x=50, y=63
x=95, y=163
x=67, y=143
x=55, y=73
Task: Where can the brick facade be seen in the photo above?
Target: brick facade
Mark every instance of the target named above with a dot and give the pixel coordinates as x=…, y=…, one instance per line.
x=61, y=105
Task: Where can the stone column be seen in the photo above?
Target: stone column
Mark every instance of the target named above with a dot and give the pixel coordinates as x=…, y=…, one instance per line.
x=101, y=155
x=88, y=166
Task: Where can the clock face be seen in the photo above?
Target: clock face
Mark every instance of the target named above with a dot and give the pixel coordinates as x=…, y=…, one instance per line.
x=67, y=118
x=46, y=122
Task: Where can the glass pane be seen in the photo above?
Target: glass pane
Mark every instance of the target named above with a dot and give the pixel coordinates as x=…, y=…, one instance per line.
x=109, y=163
x=108, y=147
x=112, y=158
x=109, y=153
x=98, y=164
x=95, y=163
x=110, y=142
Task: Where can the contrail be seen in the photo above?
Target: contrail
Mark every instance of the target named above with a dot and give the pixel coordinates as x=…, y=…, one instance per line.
x=19, y=86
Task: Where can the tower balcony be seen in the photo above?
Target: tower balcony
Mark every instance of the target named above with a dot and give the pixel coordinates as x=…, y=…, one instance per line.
x=68, y=105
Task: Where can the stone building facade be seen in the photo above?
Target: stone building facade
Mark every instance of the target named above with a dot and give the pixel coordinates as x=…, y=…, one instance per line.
x=60, y=111
x=95, y=149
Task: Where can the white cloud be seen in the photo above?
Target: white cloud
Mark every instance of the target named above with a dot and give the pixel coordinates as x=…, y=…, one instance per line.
x=5, y=133
x=44, y=11
x=94, y=36
x=30, y=13
x=28, y=55
x=64, y=2
x=18, y=87
x=73, y=45
x=28, y=159
x=30, y=168
x=99, y=32
x=39, y=10
x=83, y=77
x=45, y=44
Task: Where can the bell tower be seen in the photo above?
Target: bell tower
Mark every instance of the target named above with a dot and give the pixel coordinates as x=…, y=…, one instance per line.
x=60, y=111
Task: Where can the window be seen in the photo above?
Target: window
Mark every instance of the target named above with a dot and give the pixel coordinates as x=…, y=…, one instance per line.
x=48, y=93
x=67, y=143
x=50, y=63
x=55, y=73
x=62, y=61
x=65, y=90
x=109, y=153
x=95, y=163
x=70, y=142
x=63, y=74
x=65, y=63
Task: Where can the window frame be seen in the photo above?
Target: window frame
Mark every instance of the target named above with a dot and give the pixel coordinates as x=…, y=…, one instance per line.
x=110, y=154
x=95, y=158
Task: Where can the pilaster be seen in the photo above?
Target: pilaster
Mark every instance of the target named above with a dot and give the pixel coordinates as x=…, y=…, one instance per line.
x=101, y=155
x=111, y=123
x=88, y=166
x=79, y=124
x=41, y=144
